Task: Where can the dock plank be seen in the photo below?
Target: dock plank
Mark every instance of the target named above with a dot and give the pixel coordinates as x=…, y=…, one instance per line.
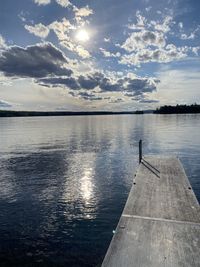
x=160, y=224
x=162, y=190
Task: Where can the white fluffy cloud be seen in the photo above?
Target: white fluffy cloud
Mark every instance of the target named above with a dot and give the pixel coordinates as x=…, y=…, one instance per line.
x=63, y=3
x=61, y=28
x=167, y=54
x=191, y=35
x=39, y=30
x=163, y=26
x=142, y=39
x=147, y=42
x=83, y=12
x=109, y=54
x=42, y=2
x=141, y=22
x=81, y=51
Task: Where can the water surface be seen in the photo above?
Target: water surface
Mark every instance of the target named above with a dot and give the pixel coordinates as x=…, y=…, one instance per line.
x=64, y=181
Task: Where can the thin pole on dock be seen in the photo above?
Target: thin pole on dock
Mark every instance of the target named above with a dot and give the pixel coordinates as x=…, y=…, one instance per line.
x=140, y=151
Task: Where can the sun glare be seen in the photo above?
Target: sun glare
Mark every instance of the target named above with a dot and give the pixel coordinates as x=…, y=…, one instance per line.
x=82, y=35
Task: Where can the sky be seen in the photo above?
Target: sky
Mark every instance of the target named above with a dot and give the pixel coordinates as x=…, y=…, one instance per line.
x=99, y=54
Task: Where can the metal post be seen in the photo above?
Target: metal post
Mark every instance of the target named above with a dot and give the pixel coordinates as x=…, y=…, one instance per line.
x=140, y=151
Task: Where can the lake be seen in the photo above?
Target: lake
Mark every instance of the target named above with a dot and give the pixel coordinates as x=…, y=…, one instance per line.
x=64, y=181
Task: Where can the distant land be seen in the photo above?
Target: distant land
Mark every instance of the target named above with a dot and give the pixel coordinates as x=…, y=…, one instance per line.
x=11, y=113
x=178, y=109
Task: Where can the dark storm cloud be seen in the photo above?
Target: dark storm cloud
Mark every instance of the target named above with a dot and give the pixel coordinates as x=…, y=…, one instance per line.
x=34, y=61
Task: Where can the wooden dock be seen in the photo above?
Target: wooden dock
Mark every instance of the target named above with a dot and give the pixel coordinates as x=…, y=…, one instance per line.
x=160, y=224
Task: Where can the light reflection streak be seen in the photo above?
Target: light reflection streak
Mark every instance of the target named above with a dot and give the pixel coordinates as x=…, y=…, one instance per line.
x=87, y=185
x=79, y=191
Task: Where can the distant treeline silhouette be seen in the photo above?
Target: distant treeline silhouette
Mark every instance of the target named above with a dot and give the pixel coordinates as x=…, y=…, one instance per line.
x=12, y=113
x=194, y=108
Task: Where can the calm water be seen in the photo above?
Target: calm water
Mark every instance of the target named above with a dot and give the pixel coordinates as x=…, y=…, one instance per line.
x=64, y=181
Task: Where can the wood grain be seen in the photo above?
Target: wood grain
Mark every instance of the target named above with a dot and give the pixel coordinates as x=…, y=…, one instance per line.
x=160, y=224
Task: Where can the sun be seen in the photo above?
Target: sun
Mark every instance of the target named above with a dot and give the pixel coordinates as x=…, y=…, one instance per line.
x=82, y=35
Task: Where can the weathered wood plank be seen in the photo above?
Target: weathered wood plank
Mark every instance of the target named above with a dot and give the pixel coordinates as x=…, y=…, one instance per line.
x=140, y=242
x=162, y=190
x=160, y=224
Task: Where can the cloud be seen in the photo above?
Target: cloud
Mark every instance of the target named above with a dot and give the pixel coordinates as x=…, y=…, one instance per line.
x=81, y=14
x=35, y=61
x=83, y=11
x=142, y=39
x=139, y=86
x=188, y=37
x=148, y=42
x=141, y=22
x=148, y=101
x=78, y=49
x=148, y=8
x=63, y=3
x=101, y=83
x=70, y=82
x=180, y=24
x=90, y=81
x=107, y=40
x=5, y=104
x=164, y=26
x=88, y=96
x=42, y=2
x=39, y=30
x=62, y=29
x=2, y=42
x=116, y=101
x=191, y=35
x=167, y=54
x=195, y=50
x=109, y=54
x=81, y=51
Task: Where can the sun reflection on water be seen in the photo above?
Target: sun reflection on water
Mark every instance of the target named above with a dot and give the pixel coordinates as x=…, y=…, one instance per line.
x=87, y=185
x=79, y=191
